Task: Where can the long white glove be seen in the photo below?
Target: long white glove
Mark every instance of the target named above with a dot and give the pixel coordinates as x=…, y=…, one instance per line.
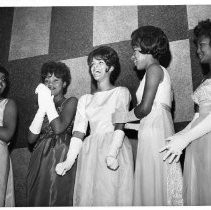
x=47, y=102
x=74, y=149
x=196, y=115
x=36, y=124
x=51, y=111
x=199, y=130
x=179, y=142
x=111, y=158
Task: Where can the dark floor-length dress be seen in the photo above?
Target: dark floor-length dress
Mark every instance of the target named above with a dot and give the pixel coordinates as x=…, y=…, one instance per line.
x=44, y=186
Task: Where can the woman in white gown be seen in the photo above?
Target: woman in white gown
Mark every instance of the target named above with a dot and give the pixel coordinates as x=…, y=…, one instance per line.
x=196, y=137
x=156, y=182
x=104, y=174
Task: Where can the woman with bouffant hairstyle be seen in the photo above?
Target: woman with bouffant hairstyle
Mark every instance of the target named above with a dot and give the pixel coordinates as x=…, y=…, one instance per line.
x=156, y=182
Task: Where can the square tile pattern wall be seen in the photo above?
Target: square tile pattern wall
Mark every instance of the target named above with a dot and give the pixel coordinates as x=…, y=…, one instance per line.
x=68, y=34
x=33, y=35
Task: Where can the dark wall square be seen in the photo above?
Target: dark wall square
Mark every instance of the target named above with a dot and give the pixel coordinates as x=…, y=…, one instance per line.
x=6, y=18
x=171, y=19
x=71, y=31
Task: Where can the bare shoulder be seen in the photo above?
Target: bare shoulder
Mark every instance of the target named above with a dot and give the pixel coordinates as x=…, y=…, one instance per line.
x=155, y=71
x=11, y=104
x=71, y=102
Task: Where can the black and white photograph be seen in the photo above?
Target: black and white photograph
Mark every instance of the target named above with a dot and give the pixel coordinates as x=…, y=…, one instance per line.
x=105, y=104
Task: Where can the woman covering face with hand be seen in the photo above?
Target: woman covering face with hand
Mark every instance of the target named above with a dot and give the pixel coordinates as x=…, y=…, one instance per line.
x=51, y=131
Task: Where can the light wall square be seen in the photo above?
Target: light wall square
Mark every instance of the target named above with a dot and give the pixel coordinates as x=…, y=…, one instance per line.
x=196, y=13
x=81, y=80
x=30, y=32
x=114, y=24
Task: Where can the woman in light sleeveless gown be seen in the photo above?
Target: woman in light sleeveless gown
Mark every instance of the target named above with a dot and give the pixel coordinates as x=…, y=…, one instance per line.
x=8, y=119
x=196, y=137
x=156, y=182
x=104, y=175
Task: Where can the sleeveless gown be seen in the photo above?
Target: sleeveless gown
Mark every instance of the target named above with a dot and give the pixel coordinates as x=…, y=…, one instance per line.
x=156, y=182
x=44, y=186
x=7, y=197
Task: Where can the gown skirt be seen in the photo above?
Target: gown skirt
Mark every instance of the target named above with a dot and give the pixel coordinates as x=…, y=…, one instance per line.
x=197, y=169
x=7, y=197
x=95, y=184
x=156, y=182
x=44, y=186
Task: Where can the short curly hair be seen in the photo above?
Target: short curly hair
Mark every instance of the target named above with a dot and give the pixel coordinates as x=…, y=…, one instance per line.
x=110, y=57
x=152, y=40
x=59, y=69
x=202, y=29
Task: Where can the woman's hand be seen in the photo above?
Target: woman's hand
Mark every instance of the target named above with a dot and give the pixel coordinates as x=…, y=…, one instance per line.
x=63, y=167
x=174, y=148
x=44, y=95
x=112, y=163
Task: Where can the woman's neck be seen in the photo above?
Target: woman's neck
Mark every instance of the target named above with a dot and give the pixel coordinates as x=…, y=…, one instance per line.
x=104, y=85
x=58, y=98
x=152, y=62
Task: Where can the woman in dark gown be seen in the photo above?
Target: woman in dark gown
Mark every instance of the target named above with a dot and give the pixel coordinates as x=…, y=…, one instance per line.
x=51, y=129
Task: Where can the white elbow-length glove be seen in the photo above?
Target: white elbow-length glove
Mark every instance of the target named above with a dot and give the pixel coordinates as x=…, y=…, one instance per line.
x=37, y=122
x=111, y=158
x=196, y=115
x=74, y=149
x=51, y=111
x=48, y=102
x=179, y=142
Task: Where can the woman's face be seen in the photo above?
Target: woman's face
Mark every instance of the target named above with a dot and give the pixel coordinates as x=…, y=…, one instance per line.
x=138, y=58
x=55, y=84
x=99, y=69
x=204, y=49
x=3, y=83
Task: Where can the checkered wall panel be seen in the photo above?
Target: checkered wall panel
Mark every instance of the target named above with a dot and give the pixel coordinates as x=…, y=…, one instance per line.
x=33, y=36
x=30, y=32
x=196, y=13
x=113, y=24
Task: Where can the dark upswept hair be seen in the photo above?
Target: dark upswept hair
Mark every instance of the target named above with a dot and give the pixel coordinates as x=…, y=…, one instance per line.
x=59, y=69
x=202, y=29
x=110, y=57
x=4, y=71
x=152, y=40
